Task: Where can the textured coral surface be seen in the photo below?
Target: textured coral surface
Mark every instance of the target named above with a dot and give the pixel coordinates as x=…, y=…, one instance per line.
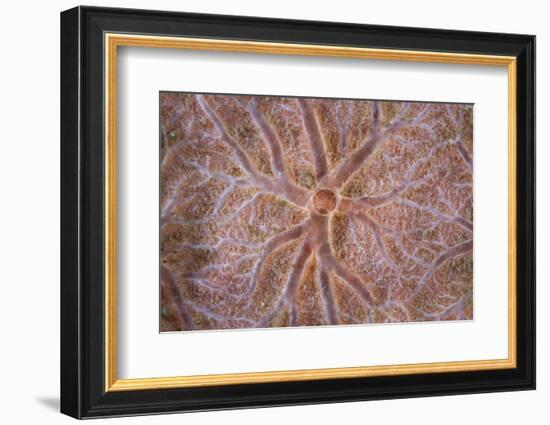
x=281, y=211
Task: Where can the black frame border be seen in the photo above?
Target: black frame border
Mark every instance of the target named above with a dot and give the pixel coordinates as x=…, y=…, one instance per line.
x=82, y=212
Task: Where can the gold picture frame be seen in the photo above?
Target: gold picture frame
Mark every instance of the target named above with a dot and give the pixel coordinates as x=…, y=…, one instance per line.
x=114, y=41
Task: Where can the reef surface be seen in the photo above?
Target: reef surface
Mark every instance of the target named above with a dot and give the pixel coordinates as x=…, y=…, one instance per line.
x=282, y=211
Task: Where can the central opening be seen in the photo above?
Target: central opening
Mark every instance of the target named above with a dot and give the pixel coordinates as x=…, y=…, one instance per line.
x=324, y=201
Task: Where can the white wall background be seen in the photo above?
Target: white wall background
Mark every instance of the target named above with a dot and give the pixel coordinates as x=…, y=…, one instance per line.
x=29, y=211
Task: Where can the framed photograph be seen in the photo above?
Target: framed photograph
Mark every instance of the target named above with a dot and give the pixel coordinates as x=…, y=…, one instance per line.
x=261, y=212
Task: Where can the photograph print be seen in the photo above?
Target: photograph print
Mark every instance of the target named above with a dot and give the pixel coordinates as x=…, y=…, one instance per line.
x=292, y=211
